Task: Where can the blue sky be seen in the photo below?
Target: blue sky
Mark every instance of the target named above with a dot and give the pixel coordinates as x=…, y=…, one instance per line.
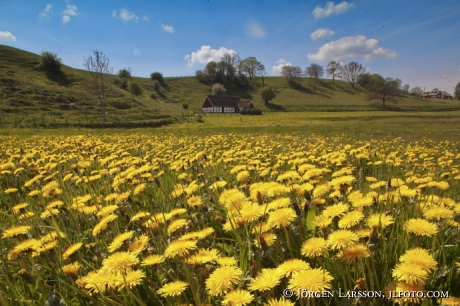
x=416, y=41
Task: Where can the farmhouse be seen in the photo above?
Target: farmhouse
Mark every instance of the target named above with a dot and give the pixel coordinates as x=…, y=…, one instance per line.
x=224, y=104
x=437, y=95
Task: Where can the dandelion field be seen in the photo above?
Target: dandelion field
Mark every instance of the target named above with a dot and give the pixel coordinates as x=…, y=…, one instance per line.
x=231, y=219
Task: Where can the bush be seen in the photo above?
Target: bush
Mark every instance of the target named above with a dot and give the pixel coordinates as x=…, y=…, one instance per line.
x=153, y=96
x=50, y=62
x=251, y=111
x=122, y=83
x=121, y=103
x=157, y=76
x=185, y=105
x=156, y=85
x=218, y=89
x=124, y=73
x=134, y=88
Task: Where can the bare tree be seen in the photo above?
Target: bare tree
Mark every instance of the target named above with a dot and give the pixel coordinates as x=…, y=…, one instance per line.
x=232, y=58
x=314, y=71
x=99, y=67
x=291, y=73
x=333, y=69
x=251, y=66
x=351, y=72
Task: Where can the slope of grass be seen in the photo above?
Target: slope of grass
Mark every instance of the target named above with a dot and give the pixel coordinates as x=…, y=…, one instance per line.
x=28, y=95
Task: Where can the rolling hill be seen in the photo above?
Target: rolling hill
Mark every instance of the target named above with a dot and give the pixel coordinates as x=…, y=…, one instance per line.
x=26, y=94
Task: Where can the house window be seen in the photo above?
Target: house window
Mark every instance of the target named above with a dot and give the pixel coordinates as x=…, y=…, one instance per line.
x=228, y=110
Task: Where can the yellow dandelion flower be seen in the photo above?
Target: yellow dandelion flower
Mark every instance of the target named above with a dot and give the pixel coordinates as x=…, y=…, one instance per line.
x=218, y=184
x=19, y=208
x=139, y=188
x=195, y=201
x=312, y=280
x=281, y=217
x=279, y=302
x=71, y=269
x=174, y=288
x=175, y=225
x=341, y=239
x=139, y=244
x=238, y=298
x=102, y=225
x=351, y=219
x=152, y=260
x=450, y=301
x=265, y=240
x=10, y=190
x=410, y=273
x=291, y=266
x=278, y=203
x=71, y=250
x=131, y=279
x=438, y=213
x=100, y=281
x=322, y=221
x=203, y=257
x=379, y=220
x=15, y=231
x=313, y=247
x=421, y=258
x=223, y=280
x=353, y=253
x=420, y=227
x=242, y=176
x=266, y=280
x=180, y=248
x=227, y=261
x=119, y=240
x=119, y=262
x=336, y=210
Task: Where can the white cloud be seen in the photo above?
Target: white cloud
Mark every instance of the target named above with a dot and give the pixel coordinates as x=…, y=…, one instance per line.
x=145, y=18
x=254, y=29
x=331, y=8
x=205, y=54
x=114, y=13
x=45, y=13
x=127, y=15
x=281, y=63
x=71, y=10
x=351, y=47
x=7, y=37
x=322, y=32
x=167, y=28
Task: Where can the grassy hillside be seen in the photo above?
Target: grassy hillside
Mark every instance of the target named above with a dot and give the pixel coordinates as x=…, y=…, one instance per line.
x=26, y=94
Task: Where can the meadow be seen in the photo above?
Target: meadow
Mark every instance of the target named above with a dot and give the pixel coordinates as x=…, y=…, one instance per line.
x=234, y=210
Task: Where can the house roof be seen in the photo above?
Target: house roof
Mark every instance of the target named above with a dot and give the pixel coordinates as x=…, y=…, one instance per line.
x=224, y=101
x=445, y=93
x=244, y=104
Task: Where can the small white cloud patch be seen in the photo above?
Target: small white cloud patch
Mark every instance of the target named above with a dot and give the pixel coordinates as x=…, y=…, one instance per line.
x=167, y=28
x=281, y=63
x=205, y=54
x=125, y=15
x=6, y=36
x=45, y=13
x=351, y=47
x=322, y=32
x=71, y=10
x=331, y=9
x=254, y=29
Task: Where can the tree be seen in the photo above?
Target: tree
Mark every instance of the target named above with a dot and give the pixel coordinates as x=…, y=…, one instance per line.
x=333, y=69
x=134, y=88
x=268, y=94
x=351, y=72
x=98, y=66
x=405, y=89
x=364, y=80
x=314, y=71
x=383, y=89
x=50, y=62
x=125, y=73
x=225, y=72
x=231, y=58
x=251, y=66
x=291, y=73
x=435, y=89
x=457, y=91
x=218, y=89
x=416, y=91
x=157, y=76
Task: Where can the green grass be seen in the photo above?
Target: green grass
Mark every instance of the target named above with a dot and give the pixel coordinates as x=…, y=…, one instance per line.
x=28, y=96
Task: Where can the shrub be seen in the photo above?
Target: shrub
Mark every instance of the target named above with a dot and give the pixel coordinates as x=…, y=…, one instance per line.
x=185, y=105
x=156, y=85
x=134, y=88
x=153, y=96
x=124, y=73
x=251, y=111
x=157, y=76
x=121, y=103
x=218, y=89
x=50, y=62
